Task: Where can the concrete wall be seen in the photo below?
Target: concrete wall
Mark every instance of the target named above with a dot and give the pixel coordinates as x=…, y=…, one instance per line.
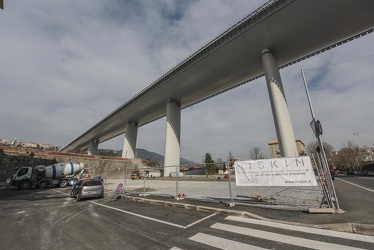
x=108, y=167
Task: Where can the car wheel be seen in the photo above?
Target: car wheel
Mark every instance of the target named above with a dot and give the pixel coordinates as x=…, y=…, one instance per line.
x=25, y=185
x=42, y=184
x=63, y=183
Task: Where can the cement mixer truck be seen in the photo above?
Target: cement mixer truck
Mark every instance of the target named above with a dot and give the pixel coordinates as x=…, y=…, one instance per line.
x=41, y=176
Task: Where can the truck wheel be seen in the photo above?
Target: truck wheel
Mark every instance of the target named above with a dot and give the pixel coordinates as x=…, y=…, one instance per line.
x=42, y=184
x=25, y=185
x=63, y=183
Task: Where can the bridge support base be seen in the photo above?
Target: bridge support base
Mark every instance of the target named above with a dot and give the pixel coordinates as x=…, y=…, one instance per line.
x=92, y=147
x=172, y=138
x=129, y=145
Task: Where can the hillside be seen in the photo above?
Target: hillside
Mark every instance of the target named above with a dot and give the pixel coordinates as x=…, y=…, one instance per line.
x=145, y=154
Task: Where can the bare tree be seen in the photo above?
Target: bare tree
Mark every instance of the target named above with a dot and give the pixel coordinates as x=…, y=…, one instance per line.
x=220, y=165
x=349, y=157
x=230, y=156
x=231, y=159
x=255, y=154
x=311, y=148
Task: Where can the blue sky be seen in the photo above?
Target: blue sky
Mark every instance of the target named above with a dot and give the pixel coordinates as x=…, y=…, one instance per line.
x=65, y=65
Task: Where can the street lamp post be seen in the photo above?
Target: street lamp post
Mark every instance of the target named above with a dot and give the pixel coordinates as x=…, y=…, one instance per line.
x=317, y=129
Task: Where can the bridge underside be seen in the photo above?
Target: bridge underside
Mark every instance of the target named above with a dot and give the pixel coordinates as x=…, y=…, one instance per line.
x=291, y=30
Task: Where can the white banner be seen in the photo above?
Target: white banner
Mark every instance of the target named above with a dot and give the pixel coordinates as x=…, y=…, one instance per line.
x=291, y=171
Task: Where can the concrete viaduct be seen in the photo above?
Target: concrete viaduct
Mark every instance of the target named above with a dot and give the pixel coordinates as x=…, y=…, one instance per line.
x=278, y=34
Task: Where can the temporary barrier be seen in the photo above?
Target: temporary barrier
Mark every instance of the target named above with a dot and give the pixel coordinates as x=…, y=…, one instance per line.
x=119, y=192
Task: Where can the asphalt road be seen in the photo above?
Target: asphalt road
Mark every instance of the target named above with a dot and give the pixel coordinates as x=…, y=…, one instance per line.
x=356, y=197
x=50, y=219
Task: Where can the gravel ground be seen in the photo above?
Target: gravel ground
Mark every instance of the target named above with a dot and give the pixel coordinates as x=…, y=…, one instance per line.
x=218, y=190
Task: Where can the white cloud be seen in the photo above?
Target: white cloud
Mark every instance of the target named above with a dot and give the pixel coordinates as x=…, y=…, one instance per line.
x=65, y=65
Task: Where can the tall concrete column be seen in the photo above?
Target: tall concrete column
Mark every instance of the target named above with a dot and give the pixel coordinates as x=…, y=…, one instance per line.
x=129, y=145
x=172, y=138
x=92, y=147
x=281, y=115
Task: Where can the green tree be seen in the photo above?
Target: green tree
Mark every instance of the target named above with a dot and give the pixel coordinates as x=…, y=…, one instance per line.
x=209, y=163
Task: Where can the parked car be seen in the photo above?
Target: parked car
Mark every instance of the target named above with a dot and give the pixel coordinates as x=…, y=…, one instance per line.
x=87, y=189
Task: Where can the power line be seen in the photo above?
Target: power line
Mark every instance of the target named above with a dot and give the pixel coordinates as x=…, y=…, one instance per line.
x=334, y=64
x=364, y=128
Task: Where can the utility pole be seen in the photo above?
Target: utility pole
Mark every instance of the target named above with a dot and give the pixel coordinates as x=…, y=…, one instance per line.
x=317, y=129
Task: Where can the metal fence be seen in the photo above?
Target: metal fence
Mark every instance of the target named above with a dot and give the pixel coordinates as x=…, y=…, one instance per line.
x=213, y=185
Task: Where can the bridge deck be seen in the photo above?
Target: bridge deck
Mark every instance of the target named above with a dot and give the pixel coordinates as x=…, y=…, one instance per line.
x=292, y=30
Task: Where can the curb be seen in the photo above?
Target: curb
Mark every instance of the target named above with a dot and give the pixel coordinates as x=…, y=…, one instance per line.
x=197, y=207
x=356, y=228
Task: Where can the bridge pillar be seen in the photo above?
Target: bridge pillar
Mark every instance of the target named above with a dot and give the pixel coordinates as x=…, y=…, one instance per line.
x=172, y=138
x=129, y=145
x=281, y=115
x=92, y=147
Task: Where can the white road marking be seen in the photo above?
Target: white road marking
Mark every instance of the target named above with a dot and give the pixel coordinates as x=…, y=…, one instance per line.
x=368, y=189
x=296, y=241
x=222, y=243
x=139, y=215
x=146, y=217
x=318, y=231
x=194, y=223
x=60, y=192
x=152, y=219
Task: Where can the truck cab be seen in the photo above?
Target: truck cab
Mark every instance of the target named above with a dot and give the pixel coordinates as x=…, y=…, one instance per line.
x=22, y=178
x=139, y=174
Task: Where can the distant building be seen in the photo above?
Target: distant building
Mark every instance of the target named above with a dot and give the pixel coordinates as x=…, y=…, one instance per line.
x=5, y=142
x=275, y=152
x=31, y=145
x=367, y=153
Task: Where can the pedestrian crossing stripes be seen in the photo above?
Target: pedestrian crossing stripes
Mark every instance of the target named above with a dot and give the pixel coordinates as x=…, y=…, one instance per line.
x=310, y=230
x=296, y=241
x=222, y=243
x=337, y=240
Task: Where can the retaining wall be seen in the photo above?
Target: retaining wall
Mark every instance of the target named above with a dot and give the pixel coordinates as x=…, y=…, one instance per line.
x=113, y=167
